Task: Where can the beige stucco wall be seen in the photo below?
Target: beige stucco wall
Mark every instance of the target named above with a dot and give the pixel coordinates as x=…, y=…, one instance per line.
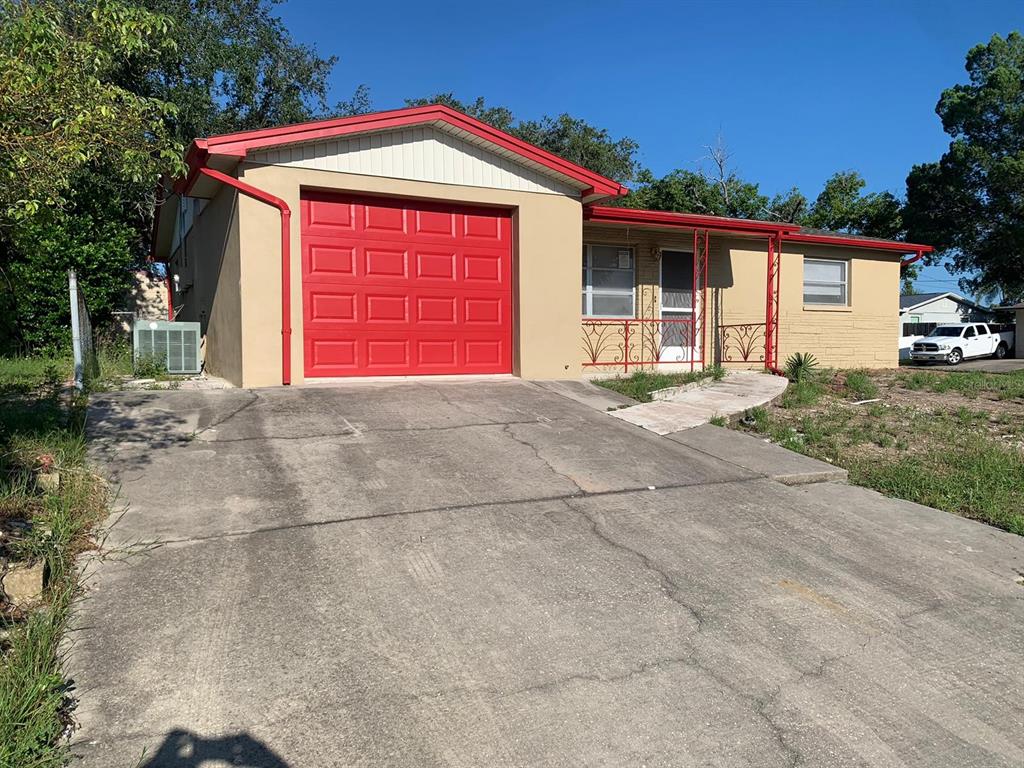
x=209, y=266
x=547, y=244
x=862, y=334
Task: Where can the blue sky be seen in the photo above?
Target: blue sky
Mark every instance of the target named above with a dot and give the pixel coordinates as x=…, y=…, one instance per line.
x=798, y=90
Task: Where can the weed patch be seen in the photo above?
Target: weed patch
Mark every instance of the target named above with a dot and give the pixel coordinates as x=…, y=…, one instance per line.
x=41, y=430
x=639, y=385
x=965, y=458
x=859, y=385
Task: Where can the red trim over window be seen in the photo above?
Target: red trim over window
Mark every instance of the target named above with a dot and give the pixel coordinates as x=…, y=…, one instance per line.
x=896, y=246
x=604, y=214
x=239, y=144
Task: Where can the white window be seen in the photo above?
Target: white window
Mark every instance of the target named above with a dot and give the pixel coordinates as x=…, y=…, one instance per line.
x=826, y=281
x=607, y=281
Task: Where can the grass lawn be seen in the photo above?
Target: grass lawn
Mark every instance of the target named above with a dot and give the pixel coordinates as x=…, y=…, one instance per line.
x=41, y=428
x=639, y=385
x=954, y=441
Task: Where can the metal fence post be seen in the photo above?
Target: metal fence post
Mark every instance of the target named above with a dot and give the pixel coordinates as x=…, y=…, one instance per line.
x=76, y=332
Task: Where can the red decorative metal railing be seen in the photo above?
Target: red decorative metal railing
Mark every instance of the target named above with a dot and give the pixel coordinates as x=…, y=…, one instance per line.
x=741, y=343
x=771, y=304
x=638, y=343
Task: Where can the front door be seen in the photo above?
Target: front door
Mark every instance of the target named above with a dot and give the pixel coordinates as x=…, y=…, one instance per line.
x=677, y=305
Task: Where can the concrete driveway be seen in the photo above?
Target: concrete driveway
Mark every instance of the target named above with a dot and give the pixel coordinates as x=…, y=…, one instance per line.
x=490, y=574
x=985, y=364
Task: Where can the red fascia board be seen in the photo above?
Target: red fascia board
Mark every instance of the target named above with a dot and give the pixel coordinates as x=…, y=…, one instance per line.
x=894, y=246
x=611, y=215
x=239, y=144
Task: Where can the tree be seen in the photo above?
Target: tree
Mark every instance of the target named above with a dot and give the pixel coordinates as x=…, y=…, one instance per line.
x=235, y=67
x=60, y=109
x=970, y=203
x=564, y=135
x=92, y=233
x=842, y=207
x=136, y=81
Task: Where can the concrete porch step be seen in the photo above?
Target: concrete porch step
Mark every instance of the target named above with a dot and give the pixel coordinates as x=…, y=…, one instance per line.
x=734, y=394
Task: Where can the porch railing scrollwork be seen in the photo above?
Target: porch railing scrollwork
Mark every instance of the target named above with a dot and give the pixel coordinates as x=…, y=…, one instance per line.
x=637, y=343
x=741, y=343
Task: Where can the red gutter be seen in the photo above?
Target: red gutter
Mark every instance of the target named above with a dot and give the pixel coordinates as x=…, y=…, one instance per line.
x=858, y=242
x=170, y=292
x=286, y=300
x=912, y=259
x=605, y=214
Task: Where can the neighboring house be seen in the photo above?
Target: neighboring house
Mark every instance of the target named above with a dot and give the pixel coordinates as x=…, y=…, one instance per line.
x=423, y=241
x=1017, y=311
x=946, y=307
x=921, y=312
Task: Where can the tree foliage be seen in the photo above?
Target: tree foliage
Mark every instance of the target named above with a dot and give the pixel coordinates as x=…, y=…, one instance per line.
x=971, y=202
x=235, y=67
x=60, y=108
x=564, y=135
x=90, y=232
x=133, y=82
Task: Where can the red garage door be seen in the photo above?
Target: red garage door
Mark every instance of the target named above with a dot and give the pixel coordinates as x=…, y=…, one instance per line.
x=394, y=287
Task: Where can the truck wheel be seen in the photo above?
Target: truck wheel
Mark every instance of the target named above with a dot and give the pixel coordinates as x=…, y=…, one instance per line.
x=955, y=357
x=1000, y=352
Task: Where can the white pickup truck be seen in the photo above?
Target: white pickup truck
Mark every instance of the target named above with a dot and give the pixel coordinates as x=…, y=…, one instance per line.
x=957, y=342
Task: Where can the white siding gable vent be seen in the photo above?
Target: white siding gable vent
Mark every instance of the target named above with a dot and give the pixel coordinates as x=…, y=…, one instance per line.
x=420, y=153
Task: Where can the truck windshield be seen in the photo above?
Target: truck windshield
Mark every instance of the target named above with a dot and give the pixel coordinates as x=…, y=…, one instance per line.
x=948, y=330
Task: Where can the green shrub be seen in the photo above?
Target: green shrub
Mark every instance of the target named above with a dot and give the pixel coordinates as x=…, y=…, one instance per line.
x=150, y=367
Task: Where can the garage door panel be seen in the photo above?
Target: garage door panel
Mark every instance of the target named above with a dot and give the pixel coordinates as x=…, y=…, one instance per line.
x=331, y=260
x=401, y=288
x=435, y=353
x=381, y=308
x=435, y=224
x=331, y=306
x=331, y=355
x=483, y=311
x=385, y=219
x=331, y=217
x=437, y=309
x=483, y=353
x=435, y=265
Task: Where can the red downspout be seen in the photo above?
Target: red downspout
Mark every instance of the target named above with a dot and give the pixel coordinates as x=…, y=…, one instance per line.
x=907, y=262
x=170, y=293
x=286, y=276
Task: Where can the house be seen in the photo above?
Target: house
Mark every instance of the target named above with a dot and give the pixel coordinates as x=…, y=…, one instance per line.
x=944, y=307
x=423, y=241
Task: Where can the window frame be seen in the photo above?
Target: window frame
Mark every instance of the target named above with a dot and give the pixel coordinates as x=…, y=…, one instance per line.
x=845, y=283
x=587, y=289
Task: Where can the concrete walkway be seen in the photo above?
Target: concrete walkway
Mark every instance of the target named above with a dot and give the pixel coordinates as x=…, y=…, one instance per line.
x=737, y=392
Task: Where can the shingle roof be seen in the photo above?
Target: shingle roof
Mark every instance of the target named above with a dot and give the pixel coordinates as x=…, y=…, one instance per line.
x=913, y=299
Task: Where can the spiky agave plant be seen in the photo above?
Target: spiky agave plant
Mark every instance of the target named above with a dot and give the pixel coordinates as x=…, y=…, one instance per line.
x=801, y=366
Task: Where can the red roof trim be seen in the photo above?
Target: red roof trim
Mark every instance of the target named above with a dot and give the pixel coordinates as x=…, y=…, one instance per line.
x=611, y=215
x=858, y=242
x=246, y=141
x=605, y=214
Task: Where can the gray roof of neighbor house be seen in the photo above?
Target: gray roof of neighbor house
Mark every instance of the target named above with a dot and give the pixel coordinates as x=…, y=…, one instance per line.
x=917, y=299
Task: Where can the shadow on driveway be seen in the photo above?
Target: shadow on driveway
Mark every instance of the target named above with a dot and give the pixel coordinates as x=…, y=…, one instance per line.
x=184, y=749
